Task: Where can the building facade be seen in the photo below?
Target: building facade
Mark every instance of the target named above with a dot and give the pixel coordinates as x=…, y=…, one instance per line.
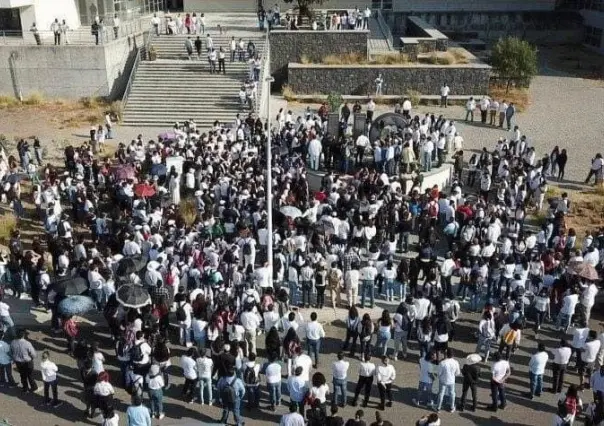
x=592, y=12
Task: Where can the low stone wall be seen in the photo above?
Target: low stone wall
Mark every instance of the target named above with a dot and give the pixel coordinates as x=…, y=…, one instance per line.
x=467, y=79
x=291, y=46
x=68, y=71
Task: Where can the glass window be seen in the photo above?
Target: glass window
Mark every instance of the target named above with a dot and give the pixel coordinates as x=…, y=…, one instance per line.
x=387, y=4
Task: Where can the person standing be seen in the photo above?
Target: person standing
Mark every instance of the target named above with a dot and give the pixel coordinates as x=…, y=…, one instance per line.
x=55, y=27
x=221, y=61
x=49, y=376
x=471, y=376
x=155, y=21
x=232, y=392
x=65, y=31
x=339, y=371
x=503, y=106
x=23, y=354
x=385, y=375
x=448, y=370
x=484, y=109
x=34, y=30
x=293, y=418
x=562, y=356
x=272, y=371
x=500, y=371
x=368, y=274
x=509, y=115
x=537, y=366
x=588, y=358
x=367, y=370
x=137, y=414
x=6, y=363
x=189, y=48
x=596, y=168
x=116, y=26
x=297, y=387
x=493, y=108
x=379, y=83
x=314, y=334
x=444, y=95
x=470, y=107
x=155, y=383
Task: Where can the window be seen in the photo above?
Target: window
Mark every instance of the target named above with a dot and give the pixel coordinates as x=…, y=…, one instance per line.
x=387, y=4
x=593, y=36
x=376, y=4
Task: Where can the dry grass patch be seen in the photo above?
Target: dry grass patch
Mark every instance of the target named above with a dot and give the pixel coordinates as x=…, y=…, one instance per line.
x=8, y=223
x=390, y=59
x=350, y=58
x=459, y=55
x=519, y=96
x=287, y=93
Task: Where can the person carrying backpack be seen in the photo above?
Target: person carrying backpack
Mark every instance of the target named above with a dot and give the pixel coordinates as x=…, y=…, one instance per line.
x=251, y=374
x=232, y=391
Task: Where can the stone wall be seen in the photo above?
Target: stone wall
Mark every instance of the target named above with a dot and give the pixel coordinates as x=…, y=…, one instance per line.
x=471, y=79
x=68, y=71
x=291, y=46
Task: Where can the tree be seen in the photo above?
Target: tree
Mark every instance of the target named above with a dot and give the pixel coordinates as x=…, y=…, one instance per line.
x=305, y=6
x=515, y=60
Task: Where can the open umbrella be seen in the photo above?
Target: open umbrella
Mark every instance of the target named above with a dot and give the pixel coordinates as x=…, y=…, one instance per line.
x=76, y=305
x=130, y=265
x=168, y=135
x=133, y=296
x=473, y=359
x=14, y=178
x=123, y=172
x=585, y=271
x=71, y=286
x=144, y=190
x=158, y=170
x=291, y=211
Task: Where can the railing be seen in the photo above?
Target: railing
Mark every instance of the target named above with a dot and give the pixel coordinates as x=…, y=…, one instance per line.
x=385, y=29
x=80, y=36
x=263, y=93
x=139, y=57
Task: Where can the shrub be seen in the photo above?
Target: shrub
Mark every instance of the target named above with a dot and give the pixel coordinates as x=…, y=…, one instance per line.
x=35, y=98
x=287, y=93
x=458, y=55
x=8, y=223
x=116, y=108
x=514, y=60
x=304, y=59
x=414, y=96
x=390, y=59
x=334, y=101
x=8, y=101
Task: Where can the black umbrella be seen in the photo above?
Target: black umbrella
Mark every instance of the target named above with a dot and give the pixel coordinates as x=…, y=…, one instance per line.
x=133, y=296
x=130, y=265
x=71, y=286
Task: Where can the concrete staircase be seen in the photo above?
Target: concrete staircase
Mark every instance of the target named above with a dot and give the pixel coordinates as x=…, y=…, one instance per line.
x=174, y=88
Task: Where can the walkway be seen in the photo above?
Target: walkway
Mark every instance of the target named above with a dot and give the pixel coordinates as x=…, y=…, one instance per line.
x=377, y=40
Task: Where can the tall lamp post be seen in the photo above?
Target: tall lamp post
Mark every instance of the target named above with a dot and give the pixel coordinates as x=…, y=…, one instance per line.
x=269, y=183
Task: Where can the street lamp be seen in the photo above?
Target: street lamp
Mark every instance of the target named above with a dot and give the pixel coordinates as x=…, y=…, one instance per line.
x=269, y=181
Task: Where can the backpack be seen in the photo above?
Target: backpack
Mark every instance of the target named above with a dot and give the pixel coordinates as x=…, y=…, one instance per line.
x=181, y=314
x=122, y=349
x=137, y=353
x=61, y=229
x=433, y=209
x=249, y=376
x=442, y=327
x=247, y=249
x=228, y=395
x=509, y=337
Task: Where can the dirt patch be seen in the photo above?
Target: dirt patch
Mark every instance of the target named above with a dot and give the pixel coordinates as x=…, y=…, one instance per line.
x=575, y=60
x=520, y=97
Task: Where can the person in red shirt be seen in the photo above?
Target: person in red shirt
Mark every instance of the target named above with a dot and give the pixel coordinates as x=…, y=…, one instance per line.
x=72, y=331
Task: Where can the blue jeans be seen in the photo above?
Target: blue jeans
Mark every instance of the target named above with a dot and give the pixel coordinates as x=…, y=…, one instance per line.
x=200, y=341
x=446, y=390
x=124, y=370
x=427, y=156
x=404, y=241
x=313, y=347
x=383, y=338
x=293, y=293
x=339, y=389
x=274, y=393
x=314, y=161
x=97, y=296
x=367, y=286
x=536, y=383
x=389, y=289
x=562, y=321
x=402, y=289
x=474, y=299
x=205, y=383
x=424, y=393
x=236, y=412
x=6, y=322
x=156, y=398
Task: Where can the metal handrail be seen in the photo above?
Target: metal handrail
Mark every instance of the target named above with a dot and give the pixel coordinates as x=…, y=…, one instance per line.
x=131, y=78
x=385, y=29
x=264, y=64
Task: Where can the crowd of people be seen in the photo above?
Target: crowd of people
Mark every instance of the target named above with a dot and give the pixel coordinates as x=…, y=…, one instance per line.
x=121, y=224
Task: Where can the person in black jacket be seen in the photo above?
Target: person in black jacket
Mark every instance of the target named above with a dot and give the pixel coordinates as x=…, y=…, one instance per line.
x=471, y=374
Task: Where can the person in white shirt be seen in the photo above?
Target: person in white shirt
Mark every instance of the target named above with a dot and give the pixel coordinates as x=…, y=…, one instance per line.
x=314, y=152
x=250, y=320
x=155, y=384
x=500, y=371
x=351, y=282
x=339, y=371
x=385, y=375
x=444, y=94
x=537, y=365
x=448, y=370
x=588, y=299
x=49, y=376
x=314, y=334
x=205, y=365
x=367, y=371
x=587, y=359
x=272, y=371
x=470, y=107
x=368, y=274
x=569, y=302
x=189, y=370
x=562, y=356
x=142, y=364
